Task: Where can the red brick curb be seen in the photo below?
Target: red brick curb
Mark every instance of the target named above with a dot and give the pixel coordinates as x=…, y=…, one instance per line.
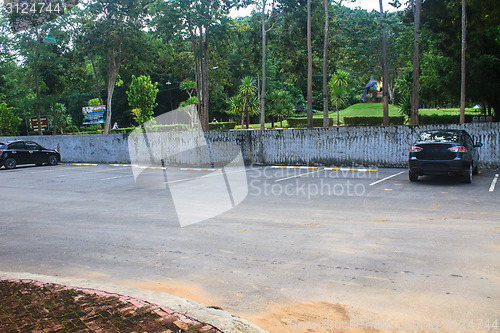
x=35, y=306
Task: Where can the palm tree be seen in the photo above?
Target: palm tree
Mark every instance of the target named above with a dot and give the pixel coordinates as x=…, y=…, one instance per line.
x=235, y=107
x=188, y=86
x=247, y=90
x=338, y=89
x=280, y=105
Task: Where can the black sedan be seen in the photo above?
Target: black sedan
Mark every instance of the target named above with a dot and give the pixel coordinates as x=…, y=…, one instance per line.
x=26, y=152
x=448, y=151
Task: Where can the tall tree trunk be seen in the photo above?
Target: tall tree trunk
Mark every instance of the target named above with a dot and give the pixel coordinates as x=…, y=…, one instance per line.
x=54, y=120
x=385, y=83
x=114, y=63
x=325, y=67
x=263, y=94
x=338, y=113
x=96, y=77
x=416, y=63
x=244, y=113
x=309, y=68
x=197, y=72
x=113, y=68
x=206, y=103
x=37, y=87
x=463, y=75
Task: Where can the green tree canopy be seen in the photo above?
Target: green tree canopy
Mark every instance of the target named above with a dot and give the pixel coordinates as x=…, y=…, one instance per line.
x=142, y=98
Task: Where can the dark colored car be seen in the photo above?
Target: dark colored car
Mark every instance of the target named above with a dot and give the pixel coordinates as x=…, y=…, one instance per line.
x=447, y=151
x=26, y=152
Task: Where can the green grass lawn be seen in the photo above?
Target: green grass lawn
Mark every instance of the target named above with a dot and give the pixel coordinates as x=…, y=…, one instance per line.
x=366, y=110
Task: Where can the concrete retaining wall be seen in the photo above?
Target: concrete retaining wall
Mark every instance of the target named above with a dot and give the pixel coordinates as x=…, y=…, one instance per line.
x=84, y=148
x=370, y=146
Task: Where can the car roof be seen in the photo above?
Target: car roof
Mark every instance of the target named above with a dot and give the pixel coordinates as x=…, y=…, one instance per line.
x=442, y=131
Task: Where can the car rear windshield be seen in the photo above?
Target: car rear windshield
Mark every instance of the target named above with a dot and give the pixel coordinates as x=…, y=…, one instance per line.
x=440, y=136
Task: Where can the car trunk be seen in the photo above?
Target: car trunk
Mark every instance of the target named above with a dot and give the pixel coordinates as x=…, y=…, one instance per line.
x=435, y=151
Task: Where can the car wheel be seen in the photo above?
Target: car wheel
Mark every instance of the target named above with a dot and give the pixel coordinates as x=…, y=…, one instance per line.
x=468, y=174
x=475, y=171
x=10, y=163
x=412, y=176
x=53, y=160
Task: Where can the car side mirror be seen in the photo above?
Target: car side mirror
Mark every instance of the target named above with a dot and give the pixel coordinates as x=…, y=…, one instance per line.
x=478, y=145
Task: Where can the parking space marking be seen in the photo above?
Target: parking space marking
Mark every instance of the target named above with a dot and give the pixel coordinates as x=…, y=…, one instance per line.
x=204, y=176
x=351, y=169
x=43, y=171
x=389, y=177
x=301, y=175
x=151, y=168
x=94, y=171
x=293, y=167
x=493, y=183
x=110, y=178
x=85, y=164
x=199, y=169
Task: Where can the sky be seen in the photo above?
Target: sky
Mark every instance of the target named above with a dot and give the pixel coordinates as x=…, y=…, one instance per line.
x=372, y=5
x=368, y=5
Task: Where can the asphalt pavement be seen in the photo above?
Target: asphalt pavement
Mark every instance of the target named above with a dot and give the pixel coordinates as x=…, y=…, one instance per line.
x=364, y=239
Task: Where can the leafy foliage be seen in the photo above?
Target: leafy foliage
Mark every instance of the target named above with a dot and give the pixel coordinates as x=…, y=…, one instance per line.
x=280, y=105
x=142, y=97
x=9, y=122
x=104, y=42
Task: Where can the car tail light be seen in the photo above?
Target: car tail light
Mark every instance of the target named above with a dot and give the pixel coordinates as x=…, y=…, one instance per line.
x=415, y=149
x=458, y=149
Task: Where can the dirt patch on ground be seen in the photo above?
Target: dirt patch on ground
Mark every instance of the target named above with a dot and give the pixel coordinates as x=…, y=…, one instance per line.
x=308, y=317
x=177, y=288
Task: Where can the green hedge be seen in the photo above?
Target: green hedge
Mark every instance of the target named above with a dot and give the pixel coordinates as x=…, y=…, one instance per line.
x=422, y=120
x=302, y=122
x=444, y=119
x=222, y=126
x=372, y=121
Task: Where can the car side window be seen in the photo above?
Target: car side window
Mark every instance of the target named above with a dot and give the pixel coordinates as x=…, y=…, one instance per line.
x=468, y=139
x=33, y=146
x=17, y=145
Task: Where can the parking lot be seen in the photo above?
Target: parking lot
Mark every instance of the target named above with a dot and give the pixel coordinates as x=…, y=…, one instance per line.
x=360, y=242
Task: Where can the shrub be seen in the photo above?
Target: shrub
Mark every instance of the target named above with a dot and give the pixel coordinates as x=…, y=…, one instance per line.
x=372, y=121
x=238, y=127
x=222, y=126
x=442, y=119
x=302, y=122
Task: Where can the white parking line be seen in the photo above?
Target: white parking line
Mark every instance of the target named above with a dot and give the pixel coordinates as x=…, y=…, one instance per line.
x=381, y=180
x=110, y=178
x=301, y=175
x=199, y=169
x=94, y=171
x=351, y=169
x=122, y=165
x=493, y=183
x=149, y=167
x=293, y=167
x=213, y=174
